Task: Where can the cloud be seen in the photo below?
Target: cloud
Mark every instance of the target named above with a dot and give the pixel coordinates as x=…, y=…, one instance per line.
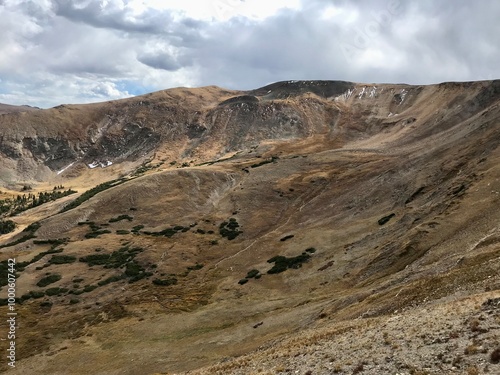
x=160, y=61
x=106, y=90
x=57, y=51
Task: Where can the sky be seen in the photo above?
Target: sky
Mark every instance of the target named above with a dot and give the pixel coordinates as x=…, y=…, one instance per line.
x=61, y=51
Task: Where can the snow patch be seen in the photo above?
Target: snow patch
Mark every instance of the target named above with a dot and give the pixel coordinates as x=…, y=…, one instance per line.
x=101, y=164
x=344, y=96
x=403, y=95
x=62, y=170
x=360, y=95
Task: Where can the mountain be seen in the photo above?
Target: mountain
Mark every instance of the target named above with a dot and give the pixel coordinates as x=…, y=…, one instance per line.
x=310, y=226
x=6, y=108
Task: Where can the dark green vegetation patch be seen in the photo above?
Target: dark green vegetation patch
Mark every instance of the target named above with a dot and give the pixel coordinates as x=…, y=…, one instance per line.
x=56, y=291
x=386, y=219
x=96, y=230
x=30, y=233
x=120, y=218
x=97, y=233
x=7, y=226
x=282, y=263
x=252, y=273
x=20, y=266
x=14, y=206
x=169, y=232
x=50, y=279
x=165, y=282
x=122, y=258
x=54, y=242
x=62, y=259
x=230, y=229
x=90, y=193
x=116, y=259
x=287, y=237
x=111, y=279
x=137, y=228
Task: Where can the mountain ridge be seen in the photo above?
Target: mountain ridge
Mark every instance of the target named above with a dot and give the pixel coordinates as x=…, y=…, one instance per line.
x=194, y=118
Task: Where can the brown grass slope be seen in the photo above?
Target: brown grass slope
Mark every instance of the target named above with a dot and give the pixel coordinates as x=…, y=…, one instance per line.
x=387, y=193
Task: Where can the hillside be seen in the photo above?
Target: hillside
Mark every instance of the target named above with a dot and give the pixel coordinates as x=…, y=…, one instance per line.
x=310, y=226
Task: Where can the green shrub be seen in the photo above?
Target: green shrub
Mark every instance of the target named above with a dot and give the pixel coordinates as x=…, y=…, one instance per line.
x=62, y=259
x=386, y=219
x=96, y=259
x=73, y=301
x=32, y=294
x=243, y=281
x=89, y=288
x=36, y=294
x=97, y=233
x=33, y=227
x=120, y=218
x=50, y=279
x=39, y=256
x=46, y=304
x=165, y=282
x=133, y=269
x=169, y=232
x=282, y=263
x=229, y=229
x=55, y=242
x=122, y=231
x=86, y=223
x=111, y=279
x=18, y=241
x=135, y=272
x=252, y=273
x=90, y=193
x=55, y=291
x=7, y=226
x=140, y=276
